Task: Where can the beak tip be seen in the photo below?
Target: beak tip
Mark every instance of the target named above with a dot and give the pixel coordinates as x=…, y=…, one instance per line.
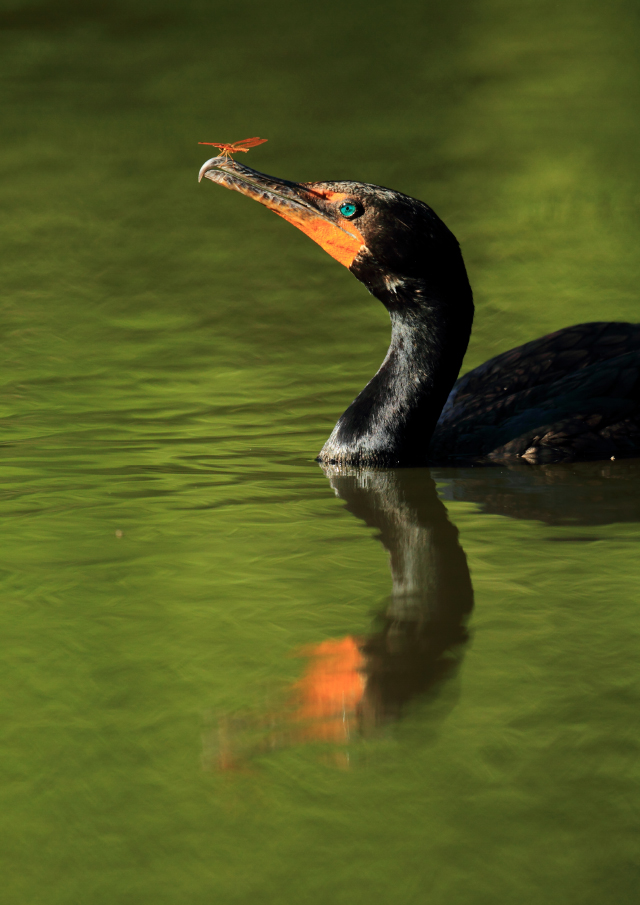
x=208, y=165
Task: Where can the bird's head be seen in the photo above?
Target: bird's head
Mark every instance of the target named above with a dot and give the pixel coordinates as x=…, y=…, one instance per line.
x=379, y=234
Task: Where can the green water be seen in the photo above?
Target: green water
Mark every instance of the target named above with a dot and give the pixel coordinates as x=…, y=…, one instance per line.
x=174, y=357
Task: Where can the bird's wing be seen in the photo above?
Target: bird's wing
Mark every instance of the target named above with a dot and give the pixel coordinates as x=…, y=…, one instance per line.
x=576, y=391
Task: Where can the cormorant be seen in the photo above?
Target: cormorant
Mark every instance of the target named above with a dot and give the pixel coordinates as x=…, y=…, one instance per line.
x=574, y=394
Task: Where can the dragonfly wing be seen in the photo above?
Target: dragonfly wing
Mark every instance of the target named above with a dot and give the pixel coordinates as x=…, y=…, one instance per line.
x=249, y=143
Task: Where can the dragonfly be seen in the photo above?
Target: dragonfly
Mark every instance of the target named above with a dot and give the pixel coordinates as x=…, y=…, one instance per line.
x=228, y=150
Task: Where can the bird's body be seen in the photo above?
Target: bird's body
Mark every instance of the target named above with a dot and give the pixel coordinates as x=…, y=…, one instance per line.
x=574, y=394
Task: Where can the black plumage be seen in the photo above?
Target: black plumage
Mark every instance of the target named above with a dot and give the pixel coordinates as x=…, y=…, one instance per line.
x=574, y=394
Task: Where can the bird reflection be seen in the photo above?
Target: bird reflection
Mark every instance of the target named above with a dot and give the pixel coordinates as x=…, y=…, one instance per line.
x=582, y=493
x=352, y=685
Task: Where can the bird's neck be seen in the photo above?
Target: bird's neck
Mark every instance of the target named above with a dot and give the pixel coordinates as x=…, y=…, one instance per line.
x=392, y=420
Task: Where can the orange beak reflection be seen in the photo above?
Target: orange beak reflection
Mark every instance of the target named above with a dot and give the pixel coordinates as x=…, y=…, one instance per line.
x=297, y=203
x=324, y=706
x=329, y=693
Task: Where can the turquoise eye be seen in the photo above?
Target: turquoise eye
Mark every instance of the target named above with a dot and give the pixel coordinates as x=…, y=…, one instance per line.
x=348, y=209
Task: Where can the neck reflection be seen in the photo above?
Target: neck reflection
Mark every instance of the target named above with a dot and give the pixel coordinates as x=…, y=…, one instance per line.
x=419, y=634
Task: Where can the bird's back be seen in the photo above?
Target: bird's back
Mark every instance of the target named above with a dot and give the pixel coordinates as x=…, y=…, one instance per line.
x=573, y=394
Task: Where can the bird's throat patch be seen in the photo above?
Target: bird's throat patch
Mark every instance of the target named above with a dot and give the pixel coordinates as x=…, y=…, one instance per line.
x=341, y=244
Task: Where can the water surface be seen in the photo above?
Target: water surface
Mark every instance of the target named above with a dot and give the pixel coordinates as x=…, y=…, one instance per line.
x=180, y=578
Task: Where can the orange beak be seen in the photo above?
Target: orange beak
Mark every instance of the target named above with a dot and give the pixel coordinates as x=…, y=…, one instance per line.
x=312, y=211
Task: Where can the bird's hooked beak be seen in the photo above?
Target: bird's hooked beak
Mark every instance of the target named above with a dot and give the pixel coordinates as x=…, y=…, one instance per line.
x=313, y=211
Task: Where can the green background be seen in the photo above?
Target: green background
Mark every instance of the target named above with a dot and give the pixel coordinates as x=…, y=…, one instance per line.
x=173, y=358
